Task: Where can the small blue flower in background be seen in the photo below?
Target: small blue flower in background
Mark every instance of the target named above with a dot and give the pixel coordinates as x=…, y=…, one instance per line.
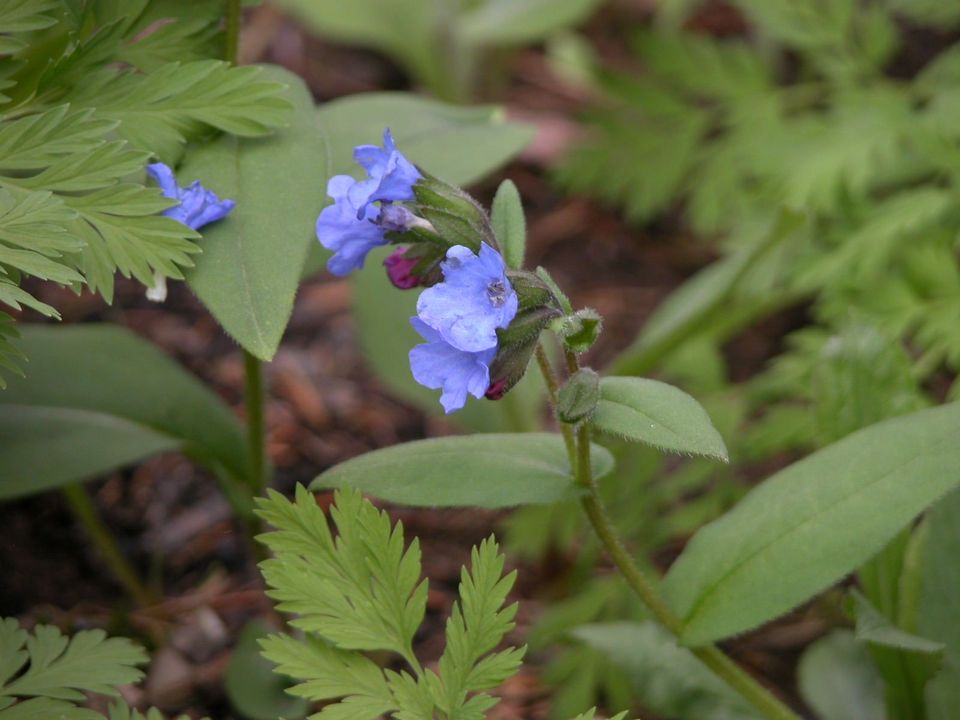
x=438, y=365
x=353, y=226
x=197, y=207
x=473, y=301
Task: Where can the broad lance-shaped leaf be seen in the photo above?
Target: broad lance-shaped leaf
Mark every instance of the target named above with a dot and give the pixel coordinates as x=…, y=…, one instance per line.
x=657, y=414
x=488, y=470
x=96, y=397
x=667, y=678
x=250, y=268
x=812, y=523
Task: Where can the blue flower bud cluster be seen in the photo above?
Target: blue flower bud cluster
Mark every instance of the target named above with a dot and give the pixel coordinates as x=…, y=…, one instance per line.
x=457, y=317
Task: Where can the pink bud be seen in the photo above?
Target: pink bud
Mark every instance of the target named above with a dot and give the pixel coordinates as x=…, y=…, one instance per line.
x=400, y=270
x=497, y=389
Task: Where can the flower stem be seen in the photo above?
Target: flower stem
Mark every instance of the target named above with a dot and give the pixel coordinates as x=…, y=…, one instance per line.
x=710, y=655
x=253, y=397
x=231, y=31
x=86, y=515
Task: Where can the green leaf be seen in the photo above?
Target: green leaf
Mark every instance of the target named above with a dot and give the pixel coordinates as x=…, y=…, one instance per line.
x=23, y=16
x=838, y=680
x=477, y=624
x=252, y=687
x=812, y=523
x=407, y=31
x=107, y=376
x=874, y=627
x=517, y=22
x=509, y=224
x=11, y=357
x=159, y=111
x=47, y=664
x=488, y=470
x=45, y=709
x=48, y=447
x=252, y=261
x=454, y=143
x=939, y=600
x=667, y=679
x=657, y=414
x=360, y=592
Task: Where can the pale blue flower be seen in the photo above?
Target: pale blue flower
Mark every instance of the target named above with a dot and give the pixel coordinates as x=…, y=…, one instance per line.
x=197, y=205
x=440, y=366
x=473, y=301
x=339, y=229
x=390, y=176
x=353, y=225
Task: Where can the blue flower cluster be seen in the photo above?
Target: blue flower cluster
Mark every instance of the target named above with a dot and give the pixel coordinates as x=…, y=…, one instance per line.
x=459, y=316
x=196, y=206
x=459, y=319
x=353, y=225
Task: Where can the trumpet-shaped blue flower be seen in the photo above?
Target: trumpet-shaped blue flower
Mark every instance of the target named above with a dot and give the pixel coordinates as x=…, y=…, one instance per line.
x=473, y=301
x=390, y=176
x=353, y=226
x=339, y=229
x=439, y=365
x=197, y=205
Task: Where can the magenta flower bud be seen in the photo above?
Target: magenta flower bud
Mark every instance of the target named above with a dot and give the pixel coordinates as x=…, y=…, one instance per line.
x=497, y=389
x=400, y=269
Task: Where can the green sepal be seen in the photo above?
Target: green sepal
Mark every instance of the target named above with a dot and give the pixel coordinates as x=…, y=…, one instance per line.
x=579, y=330
x=578, y=398
x=531, y=291
x=516, y=346
x=457, y=217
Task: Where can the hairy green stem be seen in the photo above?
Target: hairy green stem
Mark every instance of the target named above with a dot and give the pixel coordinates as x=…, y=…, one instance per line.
x=710, y=655
x=231, y=30
x=253, y=398
x=86, y=515
x=553, y=387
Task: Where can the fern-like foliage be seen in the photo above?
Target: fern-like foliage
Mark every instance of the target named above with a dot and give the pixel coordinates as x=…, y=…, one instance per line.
x=803, y=110
x=361, y=591
x=44, y=674
x=91, y=92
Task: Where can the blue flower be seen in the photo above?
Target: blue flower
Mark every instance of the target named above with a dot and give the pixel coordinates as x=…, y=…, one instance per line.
x=197, y=206
x=473, y=301
x=438, y=365
x=339, y=229
x=353, y=226
x=390, y=176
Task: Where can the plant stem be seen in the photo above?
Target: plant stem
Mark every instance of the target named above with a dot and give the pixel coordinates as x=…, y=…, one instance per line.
x=231, y=29
x=709, y=655
x=86, y=515
x=553, y=387
x=256, y=432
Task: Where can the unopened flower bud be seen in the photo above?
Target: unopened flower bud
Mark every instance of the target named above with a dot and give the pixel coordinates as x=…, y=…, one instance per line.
x=517, y=344
x=400, y=269
x=455, y=216
x=578, y=398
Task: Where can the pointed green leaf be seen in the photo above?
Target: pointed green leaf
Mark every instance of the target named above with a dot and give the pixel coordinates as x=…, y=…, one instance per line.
x=657, y=414
x=509, y=224
x=812, y=523
x=488, y=470
x=250, y=268
x=86, y=379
